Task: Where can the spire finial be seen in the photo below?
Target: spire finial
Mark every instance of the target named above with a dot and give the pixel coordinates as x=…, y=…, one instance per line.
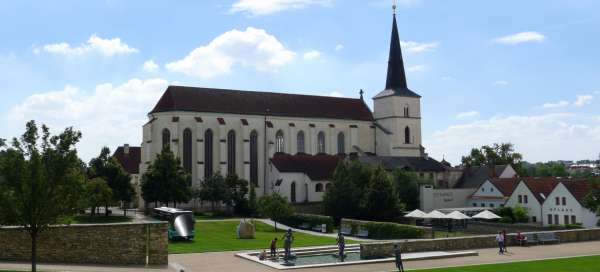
x=361, y=94
x=394, y=7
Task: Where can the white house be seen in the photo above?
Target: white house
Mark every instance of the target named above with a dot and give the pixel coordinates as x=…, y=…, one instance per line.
x=564, y=205
x=493, y=193
x=531, y=193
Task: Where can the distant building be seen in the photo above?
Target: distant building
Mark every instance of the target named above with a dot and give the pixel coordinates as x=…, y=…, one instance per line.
x=129, y=157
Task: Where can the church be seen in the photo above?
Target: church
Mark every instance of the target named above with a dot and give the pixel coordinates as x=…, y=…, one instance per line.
x=290, y=143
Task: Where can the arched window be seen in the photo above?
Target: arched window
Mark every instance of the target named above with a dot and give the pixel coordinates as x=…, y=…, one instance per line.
x=407, y=135
x=327, y=186
x=319, y=187
x=321, y=142
x=187, y=153
x=279, y=143
x=406, y=112
x=254, y=158
x=166, y=138
x=231, y=152
x=341, y=142
x=208, y=153
x=300, y=142
x=293, y=192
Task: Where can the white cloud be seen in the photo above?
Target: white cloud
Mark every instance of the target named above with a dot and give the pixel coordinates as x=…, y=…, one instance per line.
x=467, y=114
x=339, y=47
x=336, y=94
x=150, y=66
x=417, y=68
x=95, y=44
x=107, y=115
x=312, y=55
x=250, y=48
x=583, y=100
x=538, y=137
x=501, y=82
x=417, y=47
x=559, y=104
x=521, y=37
x=265, y=7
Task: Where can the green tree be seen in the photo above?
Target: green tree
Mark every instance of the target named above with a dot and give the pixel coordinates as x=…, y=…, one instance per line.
x=252, y=202
x=348, y=183
x=380, y=201
x=214, y=189
x=274, y=206
x=42, y=181
x=97, y=193
x=237, y=192
x=497, y=154
x=548, y=169
x=520, y=214
x=592, y=199
x=117, y=179
x=166, y=180
x=407, y=183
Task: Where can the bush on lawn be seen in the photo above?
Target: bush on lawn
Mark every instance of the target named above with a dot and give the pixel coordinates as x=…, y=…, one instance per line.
x=297, y=219
x=573, y=226
x=382, y=230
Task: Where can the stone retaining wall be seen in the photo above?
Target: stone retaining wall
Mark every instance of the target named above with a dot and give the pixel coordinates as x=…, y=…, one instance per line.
x=115, y=244
x=494, y=227
x=386, y=249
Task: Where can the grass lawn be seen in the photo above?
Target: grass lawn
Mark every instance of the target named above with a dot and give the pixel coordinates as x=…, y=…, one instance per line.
x=577, y=264
x=221, y=236
x=100, y=219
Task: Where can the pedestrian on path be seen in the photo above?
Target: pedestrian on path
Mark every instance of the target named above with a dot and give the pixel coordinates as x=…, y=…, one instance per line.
x=505, y=241
x=274, y=247
x=341, y=246
x=500, y=240
x=288, y=238
x=398, y=255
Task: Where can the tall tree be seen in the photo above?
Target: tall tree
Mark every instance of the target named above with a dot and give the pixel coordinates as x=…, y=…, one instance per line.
x=274, y=206
x=497, y=154
x=340, y=200
x=97, y=193
x=214, y=189
x=41, y=181
x=166, y=180
x=118, y=180
x=407, y=183
x=548, y=169
x=592, y=199
x=380, y=201
x=237, y=191
x=252, y=202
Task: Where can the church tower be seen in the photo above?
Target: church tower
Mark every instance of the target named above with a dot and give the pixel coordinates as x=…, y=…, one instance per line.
x=397, y=109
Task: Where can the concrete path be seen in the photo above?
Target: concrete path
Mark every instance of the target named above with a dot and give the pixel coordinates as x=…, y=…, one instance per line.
x=331, y=235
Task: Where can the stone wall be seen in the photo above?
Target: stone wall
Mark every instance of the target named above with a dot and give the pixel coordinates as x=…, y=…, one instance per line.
x=494, y=227
x=115, y=244
x=386, y=249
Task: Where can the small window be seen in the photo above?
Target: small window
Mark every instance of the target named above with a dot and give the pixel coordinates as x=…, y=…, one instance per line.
x=166, y=138
x=491, y=205
x=321, y=142
x=491, y=189
x=564, y=201
x=556, y=222
x=407, y=135
x=573, y=219
x=327, y=186
x=319, y=187
x=483, y=189
x=566, y=218
x=525, y=199
x=341, y=143
x=474, y=204
x=300, y=142
x=520, y=199
x=557, y=201
x=482, y=204
x=279, y=143
x=533, y=219
x=549, y=219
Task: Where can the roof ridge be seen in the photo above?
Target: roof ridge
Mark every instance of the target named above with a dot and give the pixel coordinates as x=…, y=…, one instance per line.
x=265, y=92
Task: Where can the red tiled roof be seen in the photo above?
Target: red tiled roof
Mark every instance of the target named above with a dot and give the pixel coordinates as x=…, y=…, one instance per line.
x=317, y=167
x=541, y=187
x=579, y=188
x=506, y=186
x=179, y=98
x=131, y=161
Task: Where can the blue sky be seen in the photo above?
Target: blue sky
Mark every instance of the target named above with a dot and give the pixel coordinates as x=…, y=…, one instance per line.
x=521, y=71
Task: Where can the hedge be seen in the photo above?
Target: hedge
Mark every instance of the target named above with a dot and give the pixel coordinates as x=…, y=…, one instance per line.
x=297, y=219
x=382, y=230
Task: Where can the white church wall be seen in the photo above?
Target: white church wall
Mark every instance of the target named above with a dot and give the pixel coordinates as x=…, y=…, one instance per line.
x=389, y=113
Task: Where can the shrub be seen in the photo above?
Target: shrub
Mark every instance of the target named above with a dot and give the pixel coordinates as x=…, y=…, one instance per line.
x=297, y=219
x=520, y=215
x=573, y=226
x=382, y=230
x=506, y=219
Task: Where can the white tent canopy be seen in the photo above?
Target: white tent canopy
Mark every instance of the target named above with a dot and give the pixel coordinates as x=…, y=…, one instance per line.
x=486, y=215
x=416, y=214
x=456, y=215
x=435, y=214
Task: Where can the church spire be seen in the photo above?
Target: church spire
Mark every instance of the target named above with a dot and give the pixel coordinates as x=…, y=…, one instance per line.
x=396, y=77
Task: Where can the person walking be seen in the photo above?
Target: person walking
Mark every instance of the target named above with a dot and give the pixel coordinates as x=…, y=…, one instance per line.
x=341, y=242
x=274, y=247
x=398, y=255
x=505, y=241
x=500, y=240
x=288, y=238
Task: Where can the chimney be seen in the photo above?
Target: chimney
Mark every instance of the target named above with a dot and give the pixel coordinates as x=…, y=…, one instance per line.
x=126, y=149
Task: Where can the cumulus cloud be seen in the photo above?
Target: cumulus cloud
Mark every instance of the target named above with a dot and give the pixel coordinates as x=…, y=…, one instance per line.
x=336, y=94
x=107, y=115
x=467, y=114
x=150, y=66
x=501, y=82
x=339, y=47
x=417, y=68
x=583, y=100
x=537, y=137
x=521, y=37
x=559, y=104
x=95, y=44
x=418, y=47
x=312, y=55
x=252, y=47
x=266, y=7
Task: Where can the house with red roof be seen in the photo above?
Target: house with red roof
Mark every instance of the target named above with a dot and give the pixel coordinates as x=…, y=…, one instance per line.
x=531, y=193
x=493, y=193
x=564, y=205
x=130, y=157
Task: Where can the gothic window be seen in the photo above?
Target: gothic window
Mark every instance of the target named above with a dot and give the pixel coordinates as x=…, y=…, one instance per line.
x=341, y=142
x=279, y=143
x=321, y=142
x=254, y=158
x=187, y=153
x=166, y=139
x=327, y=186
x=208, y=153
x=319, y=187
x=293, y=192
x=300, y=142
x=406, y=112
x=231, y=152
x=407, y=135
